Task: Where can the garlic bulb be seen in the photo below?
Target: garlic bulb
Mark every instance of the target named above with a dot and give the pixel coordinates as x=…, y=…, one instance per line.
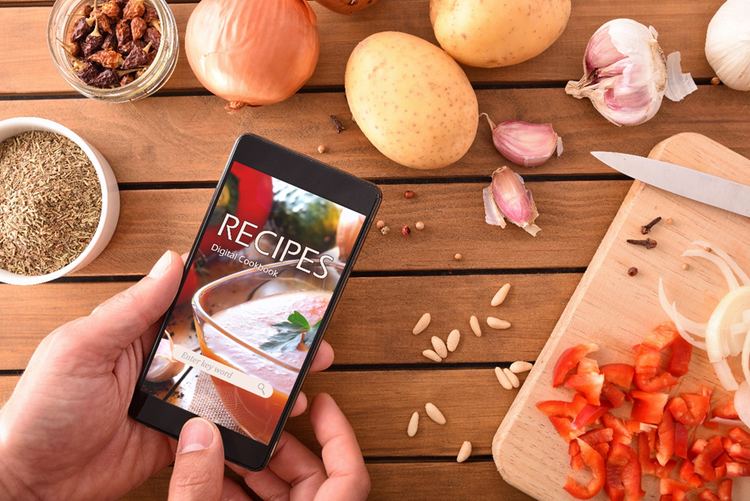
x=625, y=72
x=508, y=198
x=728, y=44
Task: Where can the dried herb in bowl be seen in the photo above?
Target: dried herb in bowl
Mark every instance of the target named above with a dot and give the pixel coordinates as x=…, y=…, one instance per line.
x=112, y=44
x=50, y=202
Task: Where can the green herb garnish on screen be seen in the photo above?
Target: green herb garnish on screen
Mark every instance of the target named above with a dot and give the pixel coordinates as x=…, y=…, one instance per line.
x=293, y=334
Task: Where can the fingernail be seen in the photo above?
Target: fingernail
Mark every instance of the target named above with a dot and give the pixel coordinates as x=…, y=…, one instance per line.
x=161, y=266
x=196, y=435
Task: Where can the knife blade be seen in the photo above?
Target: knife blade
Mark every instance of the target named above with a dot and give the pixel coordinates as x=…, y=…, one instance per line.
x=699, y=186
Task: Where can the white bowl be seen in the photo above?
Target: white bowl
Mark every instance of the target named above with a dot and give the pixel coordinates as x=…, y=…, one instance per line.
x=110, y=198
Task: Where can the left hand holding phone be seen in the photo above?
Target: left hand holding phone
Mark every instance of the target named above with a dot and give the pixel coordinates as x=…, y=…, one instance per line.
x=65, y=432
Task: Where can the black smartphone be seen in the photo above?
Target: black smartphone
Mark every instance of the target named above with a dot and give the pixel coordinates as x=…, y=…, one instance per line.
x=260, y=285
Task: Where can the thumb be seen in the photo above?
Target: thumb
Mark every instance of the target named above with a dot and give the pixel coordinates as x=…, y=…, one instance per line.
x=199, y=465
x=122, y=319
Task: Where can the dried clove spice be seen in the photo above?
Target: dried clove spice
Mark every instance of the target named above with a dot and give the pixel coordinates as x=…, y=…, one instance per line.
x=645, y=230
x=648, y=243
x=337, y=124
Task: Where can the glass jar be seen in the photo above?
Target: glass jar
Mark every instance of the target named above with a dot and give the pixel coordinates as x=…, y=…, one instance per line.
x=61, y=21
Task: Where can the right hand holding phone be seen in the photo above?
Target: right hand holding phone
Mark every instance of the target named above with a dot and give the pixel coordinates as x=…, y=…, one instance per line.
x=293, y=473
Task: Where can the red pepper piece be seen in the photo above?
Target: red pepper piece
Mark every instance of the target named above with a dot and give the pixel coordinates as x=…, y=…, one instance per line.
x=648, y=407
x=672, y=486
x=620, y=433
x=664, y=380
x=651, y=466
x=687, y=473
x=703, y=462
x=665, y=439
x=589, y=384
x=708, y=496
x=595, y=461
x=619, y=374
x=690, y=409
x=563, y=427
x=598, y=436
x=587, y=364
x=613, y=394
x=662, y=336
x=740, y=436
x=561, y=408
x=647, y=361
x=727, y=443
x=679, y=362
x=680, y=440
x=738, y=469
x=738, y=452
x=724, y=490
x=569, y=359
x=623, y=480
x=588, y=415
x=726, y=411
x=697, y=447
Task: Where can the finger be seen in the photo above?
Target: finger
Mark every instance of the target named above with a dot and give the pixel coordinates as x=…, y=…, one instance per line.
x=231, y=491
x=300, y=405
x=347, y=475
x=119, y=321
x=296, y=464
x=264, y=483
x=199, y=464
x=323, y=358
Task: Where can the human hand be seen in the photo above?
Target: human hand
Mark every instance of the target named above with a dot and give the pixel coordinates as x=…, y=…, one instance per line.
x=65, y=432
x=293, y=473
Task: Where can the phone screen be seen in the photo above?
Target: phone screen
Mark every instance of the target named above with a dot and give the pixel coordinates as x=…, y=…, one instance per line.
x=259, y=283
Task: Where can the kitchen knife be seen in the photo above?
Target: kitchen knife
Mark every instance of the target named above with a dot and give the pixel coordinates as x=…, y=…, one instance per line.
x=689, y=183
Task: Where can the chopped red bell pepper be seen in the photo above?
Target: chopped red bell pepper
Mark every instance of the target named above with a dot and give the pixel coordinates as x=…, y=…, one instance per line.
x=671, y=486
x=651, y=466
x=569, y=359
x=679, y=362
x=589, y=384
x=708, y=496
x=738, y=470
x=587, y=364
x=576, y=460
x=588, y=415
x=724, y=490
x=727, y=443
x=613, y=394
x=648, y=407
x=647, y=361
x=687, y=473
x=561, y=408
x=726, y=411
x=619, y=374
x=656, y=383
x=738, y=452
x=623, y=480
x=662, y=336
x=740, y=436
x=620, y=432
x=595, y=461
x=665, y=439
x=690, y=409
x=680, y=440
x=564, y=428
x=698, y=445
x=598, y=436
x=703, y=462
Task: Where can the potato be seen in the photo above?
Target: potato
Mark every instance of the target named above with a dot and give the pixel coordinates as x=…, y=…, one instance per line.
x=494, y=33
x=411, y=100
x=345, y=6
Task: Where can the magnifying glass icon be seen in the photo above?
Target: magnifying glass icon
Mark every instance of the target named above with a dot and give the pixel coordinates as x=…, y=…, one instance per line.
x=262, y=388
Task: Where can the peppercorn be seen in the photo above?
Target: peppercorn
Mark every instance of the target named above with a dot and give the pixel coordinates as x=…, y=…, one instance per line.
x=408, y=194
x=633, y=271
x=406, y=231
x=380, y=224
x=458, y=257
x=419, y=225
x=321, y=149
x=385, y=230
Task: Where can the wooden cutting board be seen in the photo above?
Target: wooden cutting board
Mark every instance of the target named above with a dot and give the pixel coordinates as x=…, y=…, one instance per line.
x=616, y=311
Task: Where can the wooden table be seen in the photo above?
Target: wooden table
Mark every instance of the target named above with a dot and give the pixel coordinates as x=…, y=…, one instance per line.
x=168, y=151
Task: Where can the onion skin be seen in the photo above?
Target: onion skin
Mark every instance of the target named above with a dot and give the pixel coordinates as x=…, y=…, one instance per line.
x=345, y=6
x=252, y=52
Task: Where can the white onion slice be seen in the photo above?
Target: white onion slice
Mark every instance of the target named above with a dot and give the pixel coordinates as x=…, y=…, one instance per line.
x=675, y=318
x=723, y=266
x=727, y=422
x=742, y=402
x=741, y=328
x=737, y=343
x=721, y=319
x=746, y=316
x=726, y=257
x=690, y=326
x=746, y=357
x=726, y=378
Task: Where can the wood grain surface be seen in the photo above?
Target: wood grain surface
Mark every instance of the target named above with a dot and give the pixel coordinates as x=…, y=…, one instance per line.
x=23, y=43
x=606, y=294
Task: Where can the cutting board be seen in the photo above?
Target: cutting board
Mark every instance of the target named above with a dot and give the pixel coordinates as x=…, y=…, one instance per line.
x=615, y=310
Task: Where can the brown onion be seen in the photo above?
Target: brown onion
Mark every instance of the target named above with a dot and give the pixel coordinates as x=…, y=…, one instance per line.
x=345, y=6
x=252, y=52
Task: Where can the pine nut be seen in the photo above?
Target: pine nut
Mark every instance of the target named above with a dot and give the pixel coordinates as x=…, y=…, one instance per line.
x=453, y=338
x=503, y=379
x=439, y=346
x=413, y=425
x=496, y=323
x=422, y=324
x=520, y=366
x=512, y=378
x=474, y=322
x=434, y=413
x=432, y=355
x=500, y=295
x=464, y=453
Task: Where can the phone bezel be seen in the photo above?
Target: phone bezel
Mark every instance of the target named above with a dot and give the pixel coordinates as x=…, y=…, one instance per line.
x=317, y=178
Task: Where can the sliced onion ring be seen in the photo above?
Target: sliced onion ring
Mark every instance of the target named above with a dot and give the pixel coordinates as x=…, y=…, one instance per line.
x=721, y=319
x=724, y=373
x=687, y=337
x=723, y=266
x=690, y=326
x=726, y=257
x=742, y=402
x=727, y=422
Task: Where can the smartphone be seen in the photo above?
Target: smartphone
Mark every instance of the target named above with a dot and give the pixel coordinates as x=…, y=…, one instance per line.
x=260, y=285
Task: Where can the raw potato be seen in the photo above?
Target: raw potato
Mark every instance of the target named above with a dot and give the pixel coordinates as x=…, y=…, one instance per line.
x=494, y=33
x=345, y=6
x=411, y=99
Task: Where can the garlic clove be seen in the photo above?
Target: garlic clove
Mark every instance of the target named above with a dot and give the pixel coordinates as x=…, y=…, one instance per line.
x=512, y=200
x=626, y=89
x=524, y=143
x=164, y=367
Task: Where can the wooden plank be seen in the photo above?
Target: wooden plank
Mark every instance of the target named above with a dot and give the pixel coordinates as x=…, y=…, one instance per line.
x=372, y=324
x=133, y=137
x=152, y=221
x=682, y=27
x=605, y=294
